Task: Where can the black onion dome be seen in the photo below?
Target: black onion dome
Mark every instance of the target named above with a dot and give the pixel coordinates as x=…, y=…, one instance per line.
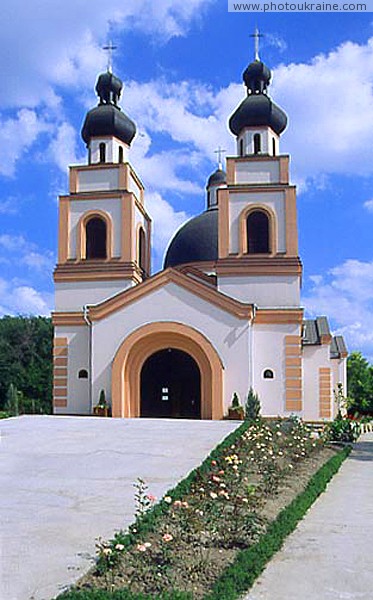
x=257, y=72
x=219, y=177
x=258, y=110
x=107, y=119
x=196, y=241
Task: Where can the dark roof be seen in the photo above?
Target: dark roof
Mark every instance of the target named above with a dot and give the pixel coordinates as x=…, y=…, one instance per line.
x=338, y=347
x=255, y=74
x=217, y=178
x=313, y=329
x=196, y=241
x=258, y=110
x=108, y=119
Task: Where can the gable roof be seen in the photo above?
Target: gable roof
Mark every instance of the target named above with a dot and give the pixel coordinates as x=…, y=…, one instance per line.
x=199, y=288
x=316, y=331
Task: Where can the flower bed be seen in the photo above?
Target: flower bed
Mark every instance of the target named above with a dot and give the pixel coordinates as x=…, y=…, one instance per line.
x=220, y=525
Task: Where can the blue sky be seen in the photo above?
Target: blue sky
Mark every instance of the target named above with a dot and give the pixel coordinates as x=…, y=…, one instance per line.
x=181, y=63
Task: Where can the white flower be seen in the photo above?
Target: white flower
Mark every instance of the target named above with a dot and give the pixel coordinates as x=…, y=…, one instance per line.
x=167, y=499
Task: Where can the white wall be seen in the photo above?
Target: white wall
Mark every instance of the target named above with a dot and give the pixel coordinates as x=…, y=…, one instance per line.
x=269, y=353
x=314, y=357
x=266, y=134
x=98, y=180
x=257, y=172
x=239, y=201
x=265, y=290
x=112, y=150
x=73, y=295
x=228, y=335
x=77, y=358
x=111, y=206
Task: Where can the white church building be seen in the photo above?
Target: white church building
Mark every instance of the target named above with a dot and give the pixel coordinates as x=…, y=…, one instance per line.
x=222, y=316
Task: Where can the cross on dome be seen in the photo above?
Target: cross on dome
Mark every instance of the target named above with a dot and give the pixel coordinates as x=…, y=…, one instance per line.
x=109, y=49
x=256, y=35
x=220, y=152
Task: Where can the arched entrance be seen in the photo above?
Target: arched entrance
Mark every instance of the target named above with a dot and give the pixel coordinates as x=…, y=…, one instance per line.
x=170, y=385
x=150, y=339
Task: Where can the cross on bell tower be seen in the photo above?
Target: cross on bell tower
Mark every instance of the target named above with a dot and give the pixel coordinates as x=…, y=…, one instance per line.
x=256, y=35
x=109, y=48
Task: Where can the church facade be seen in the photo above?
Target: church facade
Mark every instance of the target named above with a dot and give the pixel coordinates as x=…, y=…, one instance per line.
x=224, y=314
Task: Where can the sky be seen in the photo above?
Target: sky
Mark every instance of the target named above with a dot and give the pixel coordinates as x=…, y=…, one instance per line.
x=182, y=63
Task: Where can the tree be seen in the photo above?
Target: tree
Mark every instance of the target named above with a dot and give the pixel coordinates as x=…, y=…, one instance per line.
x=359, y=384
x=26, y=361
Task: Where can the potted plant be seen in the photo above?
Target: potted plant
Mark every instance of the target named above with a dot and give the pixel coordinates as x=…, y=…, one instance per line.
x=236, y=411
x=101, y=409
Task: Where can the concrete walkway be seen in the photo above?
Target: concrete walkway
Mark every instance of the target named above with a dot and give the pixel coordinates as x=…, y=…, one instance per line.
x=330, y=555
x=67, y=480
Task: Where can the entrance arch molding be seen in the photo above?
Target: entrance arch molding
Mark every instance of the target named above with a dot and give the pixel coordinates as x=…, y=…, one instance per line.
x=148, y=339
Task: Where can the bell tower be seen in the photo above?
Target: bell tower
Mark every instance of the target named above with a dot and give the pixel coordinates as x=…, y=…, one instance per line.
x=104, y=229
x=258, y=238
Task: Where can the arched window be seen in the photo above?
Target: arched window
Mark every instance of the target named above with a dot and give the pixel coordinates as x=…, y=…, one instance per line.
x=274, y=146
x=120, y=154
x=241, y=147
x=96, y=234
x=268, y=374
x=142, y=250
x=257, y=143
x=257, y=230
x=83, y=374
x=102, y=148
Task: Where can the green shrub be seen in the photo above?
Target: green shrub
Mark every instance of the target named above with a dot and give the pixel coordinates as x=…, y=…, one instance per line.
x=252, y=406
x=342, y=430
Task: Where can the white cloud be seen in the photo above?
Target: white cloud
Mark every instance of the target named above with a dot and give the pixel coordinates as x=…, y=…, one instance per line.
x=166, y=221
x=345, y=294
x=63, y=147
x=330, y=106
x=22, y=299
x=369, y=205
x=51, y=44
x=17, y=135
x=17, y=251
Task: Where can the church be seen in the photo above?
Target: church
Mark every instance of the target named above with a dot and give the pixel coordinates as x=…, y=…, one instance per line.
x=224, y=314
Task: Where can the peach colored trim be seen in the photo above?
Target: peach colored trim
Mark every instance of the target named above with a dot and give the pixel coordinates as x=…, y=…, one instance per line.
x=60, y=372
x=142, y=343
x=97, y=270
x=195, y=272
x=258, y=188
x=60, y=347
x=127, y=228
x=223, y=222
x=293, y=376
x=325, y=409
x=293, y=362
x=231, y=171
x=268, y=316
x=73, y=180
x=81, y=240
x=123, y=177
x=68, y=319
x=291, y=232
x=211, y=295
x=258, y=265
x=284, y=169
x=326, y=339
x=63, y=229
x=243, y=242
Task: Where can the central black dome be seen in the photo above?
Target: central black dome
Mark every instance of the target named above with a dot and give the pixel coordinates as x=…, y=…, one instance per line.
x=196, y=241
